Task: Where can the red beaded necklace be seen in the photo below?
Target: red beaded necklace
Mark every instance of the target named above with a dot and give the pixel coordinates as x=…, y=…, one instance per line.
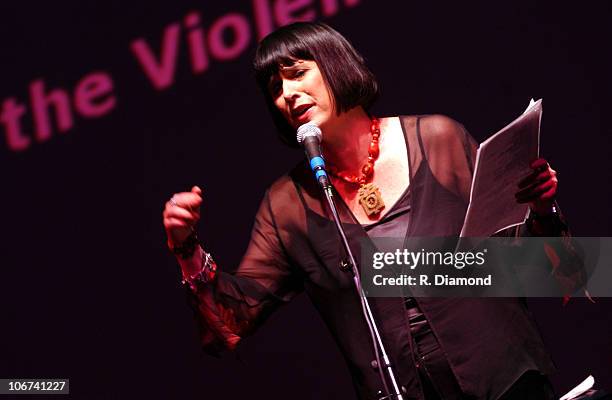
x=369, y=194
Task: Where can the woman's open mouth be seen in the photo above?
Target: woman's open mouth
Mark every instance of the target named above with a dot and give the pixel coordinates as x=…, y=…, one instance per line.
x=302, y=112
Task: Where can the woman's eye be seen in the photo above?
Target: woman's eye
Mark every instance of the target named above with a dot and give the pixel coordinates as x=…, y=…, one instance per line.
x=299, y=72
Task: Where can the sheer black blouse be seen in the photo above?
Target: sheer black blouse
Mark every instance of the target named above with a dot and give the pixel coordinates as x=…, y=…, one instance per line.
x=489, y=342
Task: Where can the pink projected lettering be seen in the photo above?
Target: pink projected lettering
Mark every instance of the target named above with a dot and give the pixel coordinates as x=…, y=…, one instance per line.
x=160, y=73
x=240, y=29
x=42, y=103
x=287, y=11
x=10, y=117
x=196, y=42
x=88, y=99
x=160, y=66
x=93, y=95
x=330, y=7
x=263, y=18
x=227, y=37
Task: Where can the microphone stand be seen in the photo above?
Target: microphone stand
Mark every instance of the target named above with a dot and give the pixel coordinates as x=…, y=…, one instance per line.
x=365, y=305
x=309, y=136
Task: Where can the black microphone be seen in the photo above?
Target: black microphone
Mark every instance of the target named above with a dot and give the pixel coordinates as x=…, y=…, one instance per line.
x=309, y=136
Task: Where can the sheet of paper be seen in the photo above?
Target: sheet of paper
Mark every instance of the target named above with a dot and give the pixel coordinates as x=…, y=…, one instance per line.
x=580, y=389
x=501, y=162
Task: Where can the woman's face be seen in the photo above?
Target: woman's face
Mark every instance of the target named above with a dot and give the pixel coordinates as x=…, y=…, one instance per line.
x=301, y=95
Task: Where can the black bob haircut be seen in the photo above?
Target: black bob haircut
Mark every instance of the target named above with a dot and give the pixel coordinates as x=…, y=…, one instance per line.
x=344, y=71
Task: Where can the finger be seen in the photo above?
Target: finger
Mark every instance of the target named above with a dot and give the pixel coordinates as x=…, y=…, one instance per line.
x=541, y=188
x=187, y=200
x=171, y=223
x=539, y=166
x=529, y=195
x=539, y=163
x=196, y=190
x=174, y=210
x=536, y=178
x=535, y=193
x=549, y=195
x=528, y=180
x=181, y=213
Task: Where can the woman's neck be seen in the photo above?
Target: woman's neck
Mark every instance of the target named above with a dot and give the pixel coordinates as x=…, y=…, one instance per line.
x=346, y=140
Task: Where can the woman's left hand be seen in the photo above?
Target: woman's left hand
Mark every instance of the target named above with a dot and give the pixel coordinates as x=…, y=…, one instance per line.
x=539, y=188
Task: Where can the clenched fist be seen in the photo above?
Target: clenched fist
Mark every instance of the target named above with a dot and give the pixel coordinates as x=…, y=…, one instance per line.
x=539, y=188
x=181, y=214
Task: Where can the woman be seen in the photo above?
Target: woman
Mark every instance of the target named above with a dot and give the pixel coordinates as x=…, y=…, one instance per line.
x=418, y=169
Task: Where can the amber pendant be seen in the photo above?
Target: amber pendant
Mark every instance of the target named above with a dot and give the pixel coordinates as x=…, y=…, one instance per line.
x=370, y=199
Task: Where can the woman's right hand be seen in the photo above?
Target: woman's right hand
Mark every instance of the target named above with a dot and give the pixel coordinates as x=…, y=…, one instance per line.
x=181, y=214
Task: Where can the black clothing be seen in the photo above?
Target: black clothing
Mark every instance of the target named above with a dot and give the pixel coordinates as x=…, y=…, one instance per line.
x=489, y=342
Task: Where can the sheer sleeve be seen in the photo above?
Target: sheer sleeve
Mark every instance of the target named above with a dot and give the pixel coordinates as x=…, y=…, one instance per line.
x=233, y=305
x=565, y=256
x=450, y=152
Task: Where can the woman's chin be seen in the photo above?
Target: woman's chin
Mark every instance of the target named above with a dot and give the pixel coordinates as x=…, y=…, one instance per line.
x=312, y=118
x=318, y=120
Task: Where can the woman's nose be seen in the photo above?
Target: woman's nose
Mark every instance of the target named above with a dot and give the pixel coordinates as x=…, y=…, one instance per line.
x=290, y=90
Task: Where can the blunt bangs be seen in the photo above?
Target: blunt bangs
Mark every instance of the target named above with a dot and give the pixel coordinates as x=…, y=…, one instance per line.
x=275, y=51
x=348, y=79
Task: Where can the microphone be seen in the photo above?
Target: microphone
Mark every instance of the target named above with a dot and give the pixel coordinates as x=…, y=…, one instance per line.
x=309, y=136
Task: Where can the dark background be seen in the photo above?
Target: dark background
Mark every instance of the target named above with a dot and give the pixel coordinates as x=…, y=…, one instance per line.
x=88, y=289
